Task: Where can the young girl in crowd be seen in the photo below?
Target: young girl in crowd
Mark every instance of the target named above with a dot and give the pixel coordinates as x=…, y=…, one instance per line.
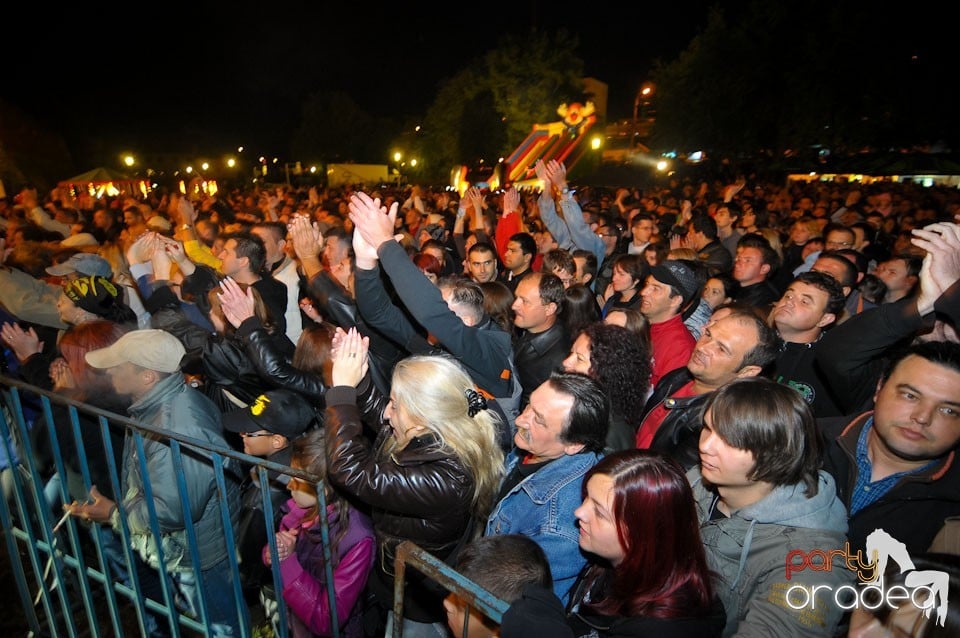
x=300, y=549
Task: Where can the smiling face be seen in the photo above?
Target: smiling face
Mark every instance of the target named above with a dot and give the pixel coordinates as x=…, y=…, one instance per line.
x=598, y=526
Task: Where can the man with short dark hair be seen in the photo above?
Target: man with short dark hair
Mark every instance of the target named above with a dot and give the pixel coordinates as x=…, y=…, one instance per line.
x=726, y=215
x=518, y=258
x=504, y=565
x=669, y=287
x=482, y=262
x=810, y=306
x=541, y=343
x=753, y=266
x=896, y=465
x=244, y=259
x=900, y=274
x=560, y=435
x=702, y=237
x=283, y=268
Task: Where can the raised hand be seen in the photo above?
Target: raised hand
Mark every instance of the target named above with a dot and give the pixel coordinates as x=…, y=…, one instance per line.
x=476, y=199
x=306, y=236
x=364, y=252
x=186, y=211
x=237, y=305
x=350, y=361
x=373, y=221
x=941, y=264
x=558, y=174
x=543, y=175
x=511, y=201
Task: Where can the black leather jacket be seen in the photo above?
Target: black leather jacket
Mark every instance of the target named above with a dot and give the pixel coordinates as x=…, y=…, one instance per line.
x=222, y=359
x=338, y=308
x=537, y=355
x=679, y=433
x=421, y=493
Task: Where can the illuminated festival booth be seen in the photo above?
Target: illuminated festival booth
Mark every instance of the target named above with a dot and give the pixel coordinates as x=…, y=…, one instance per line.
x=105, y=181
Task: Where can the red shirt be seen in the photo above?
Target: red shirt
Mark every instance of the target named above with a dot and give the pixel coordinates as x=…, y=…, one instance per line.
x=672, y=346
x=652, y=422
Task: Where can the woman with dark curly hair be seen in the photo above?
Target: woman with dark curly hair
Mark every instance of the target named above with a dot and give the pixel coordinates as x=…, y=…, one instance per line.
x=617, y=358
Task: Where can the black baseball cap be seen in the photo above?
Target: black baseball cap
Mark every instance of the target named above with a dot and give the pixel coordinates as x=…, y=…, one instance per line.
x=278, y=411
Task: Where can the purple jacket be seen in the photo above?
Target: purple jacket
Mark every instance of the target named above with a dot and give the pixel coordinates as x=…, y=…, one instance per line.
x=304, y=577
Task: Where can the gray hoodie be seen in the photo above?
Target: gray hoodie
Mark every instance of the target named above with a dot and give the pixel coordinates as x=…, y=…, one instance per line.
x=748, y=552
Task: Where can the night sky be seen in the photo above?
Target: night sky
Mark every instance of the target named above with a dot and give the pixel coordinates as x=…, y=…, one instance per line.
x=171, y=76
x=208, y=77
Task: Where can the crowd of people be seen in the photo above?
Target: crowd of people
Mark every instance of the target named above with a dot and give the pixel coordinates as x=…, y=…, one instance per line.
x=670, y=411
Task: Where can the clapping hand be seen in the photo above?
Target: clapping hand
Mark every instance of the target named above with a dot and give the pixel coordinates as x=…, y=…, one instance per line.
x=350, y=361
x=24, y=343
x=237, y=305
x=373, y=221
x=306, y=236
x=941, y=264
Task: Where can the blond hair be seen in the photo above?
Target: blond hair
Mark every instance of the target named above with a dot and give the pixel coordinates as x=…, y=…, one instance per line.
x=432, y=391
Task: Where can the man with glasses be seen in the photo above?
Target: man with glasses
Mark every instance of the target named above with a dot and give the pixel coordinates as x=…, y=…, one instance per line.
x=267, y=428
x=838, y=238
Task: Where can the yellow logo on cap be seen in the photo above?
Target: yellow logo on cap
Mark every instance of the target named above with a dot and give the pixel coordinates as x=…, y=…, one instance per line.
x=259, y=405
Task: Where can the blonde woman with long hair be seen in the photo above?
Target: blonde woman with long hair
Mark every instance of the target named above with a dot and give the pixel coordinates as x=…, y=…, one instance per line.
x=433, y=469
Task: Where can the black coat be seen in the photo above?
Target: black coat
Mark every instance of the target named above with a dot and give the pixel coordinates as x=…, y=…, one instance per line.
x=422, y=493
x=537, y=355
x=679, y=433
x=913, y=511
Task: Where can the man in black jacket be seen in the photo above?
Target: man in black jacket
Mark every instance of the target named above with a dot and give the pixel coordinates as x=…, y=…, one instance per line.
x=896, y=466
x=542, y=343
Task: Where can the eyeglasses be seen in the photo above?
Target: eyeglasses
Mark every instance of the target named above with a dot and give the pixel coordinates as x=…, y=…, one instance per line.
x=253, y=435
x=838, y=244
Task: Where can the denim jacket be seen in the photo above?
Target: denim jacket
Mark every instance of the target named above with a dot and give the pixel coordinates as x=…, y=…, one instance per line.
x=541, y=507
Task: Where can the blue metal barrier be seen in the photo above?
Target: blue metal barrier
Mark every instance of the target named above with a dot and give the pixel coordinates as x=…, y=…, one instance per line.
x=474, y=596
x=68, y=573
x=87, y=578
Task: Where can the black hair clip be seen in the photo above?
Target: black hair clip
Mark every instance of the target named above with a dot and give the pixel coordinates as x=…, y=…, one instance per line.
x=475, y=401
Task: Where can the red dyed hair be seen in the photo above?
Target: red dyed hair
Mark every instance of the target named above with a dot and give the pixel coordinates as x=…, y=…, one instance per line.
x=664, y=571
x=80, y=339
x=427, y=262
